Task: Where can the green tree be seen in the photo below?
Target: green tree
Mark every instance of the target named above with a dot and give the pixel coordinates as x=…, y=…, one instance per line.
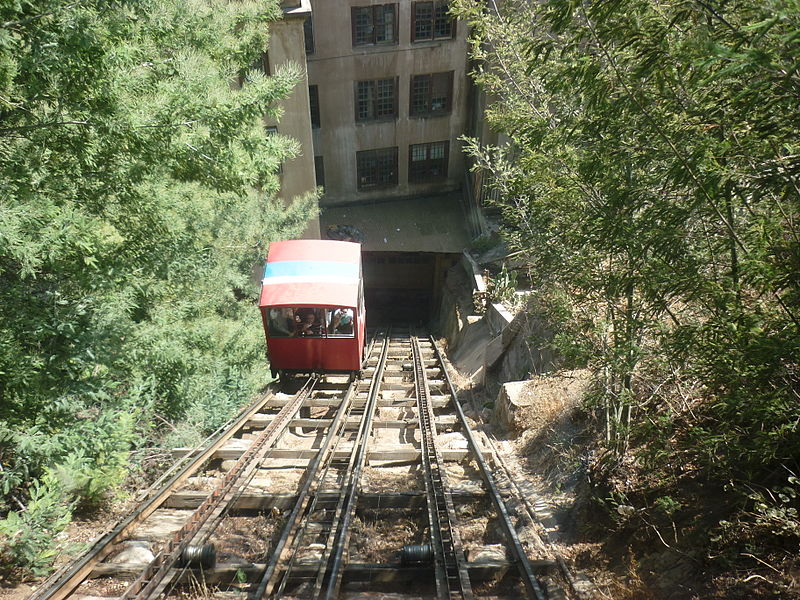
x=138, y=193
x=651, y=181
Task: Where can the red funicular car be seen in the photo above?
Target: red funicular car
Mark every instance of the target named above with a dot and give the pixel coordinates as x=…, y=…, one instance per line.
x=312, y=304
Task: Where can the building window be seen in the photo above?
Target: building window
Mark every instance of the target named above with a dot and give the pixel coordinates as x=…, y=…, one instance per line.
x=428, y=162
x=376, y=100
x=374, y=24
x=430, y=21
x=272, y=130
x=431, y=94
x=319, y=171
x=377, y=168
x=260, y=64
x=313, y=102
x=308, y=34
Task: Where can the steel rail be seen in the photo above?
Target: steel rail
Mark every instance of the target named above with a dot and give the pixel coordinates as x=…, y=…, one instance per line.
x=337, y=522
x=271, y=574
x=523, y=564
x=309, y=528
x=331, y=509
x=532, y=515
x=157, y=575
x=64, y=581
x=452, y=577
x=342, y=538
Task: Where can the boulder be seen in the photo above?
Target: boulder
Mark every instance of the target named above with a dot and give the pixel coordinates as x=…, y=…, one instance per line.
x=453, y=441
x=134, y=551
x=509, y=399
x=487, y=554
x=311, y=553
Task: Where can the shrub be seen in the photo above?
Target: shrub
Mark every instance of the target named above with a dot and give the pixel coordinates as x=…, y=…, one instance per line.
x=28, y=537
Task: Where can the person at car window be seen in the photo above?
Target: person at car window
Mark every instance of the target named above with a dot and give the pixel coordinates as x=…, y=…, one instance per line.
x=342, y=321
x=281, y=322
x=307, y=323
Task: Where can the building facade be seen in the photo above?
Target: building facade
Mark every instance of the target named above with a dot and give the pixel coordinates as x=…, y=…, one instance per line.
x=388, y=92
x=287, y=46
x=387, y=98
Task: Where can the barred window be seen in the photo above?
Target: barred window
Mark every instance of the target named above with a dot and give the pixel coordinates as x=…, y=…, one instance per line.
x=319, y=170
x=308, y=35
x=374, y=24
x=428, y=162
x=430, y=21
x=377, y=168
x=431, y=94
x=313, y=101
x=272, y=130
x=260, y=64
x=376, y=99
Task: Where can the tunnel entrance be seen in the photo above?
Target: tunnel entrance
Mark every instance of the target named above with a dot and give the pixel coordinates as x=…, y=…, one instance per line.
x=404, y=287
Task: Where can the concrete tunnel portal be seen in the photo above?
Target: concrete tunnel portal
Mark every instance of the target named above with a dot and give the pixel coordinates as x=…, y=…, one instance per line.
x=404, y=287
x=408, y=246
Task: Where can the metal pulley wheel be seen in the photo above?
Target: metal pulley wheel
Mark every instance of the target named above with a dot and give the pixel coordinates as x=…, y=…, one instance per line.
x=203, y=557
x=415, y=554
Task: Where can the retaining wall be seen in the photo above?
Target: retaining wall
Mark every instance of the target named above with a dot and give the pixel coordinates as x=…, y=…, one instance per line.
x=508, y=346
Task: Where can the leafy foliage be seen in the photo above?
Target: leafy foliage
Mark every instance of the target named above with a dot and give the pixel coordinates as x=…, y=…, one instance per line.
x=651, y=183
x=138, y=194
x=26, y=536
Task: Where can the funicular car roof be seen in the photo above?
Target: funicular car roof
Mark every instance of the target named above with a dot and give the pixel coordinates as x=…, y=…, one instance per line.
x=311, y=273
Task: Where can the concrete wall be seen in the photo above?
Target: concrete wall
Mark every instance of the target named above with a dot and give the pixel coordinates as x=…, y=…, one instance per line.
x=287, y=45
x=509, y=347
x=335, y=67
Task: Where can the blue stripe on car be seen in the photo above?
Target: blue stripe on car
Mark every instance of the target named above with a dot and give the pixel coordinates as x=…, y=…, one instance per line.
x=310, y=268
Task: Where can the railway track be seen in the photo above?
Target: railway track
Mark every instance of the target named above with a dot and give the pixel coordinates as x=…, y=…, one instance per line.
x=380, y=487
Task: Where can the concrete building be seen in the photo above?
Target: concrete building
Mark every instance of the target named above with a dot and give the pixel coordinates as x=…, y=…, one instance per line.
x=287, y=45
x=387, y=98
x=388, y=88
